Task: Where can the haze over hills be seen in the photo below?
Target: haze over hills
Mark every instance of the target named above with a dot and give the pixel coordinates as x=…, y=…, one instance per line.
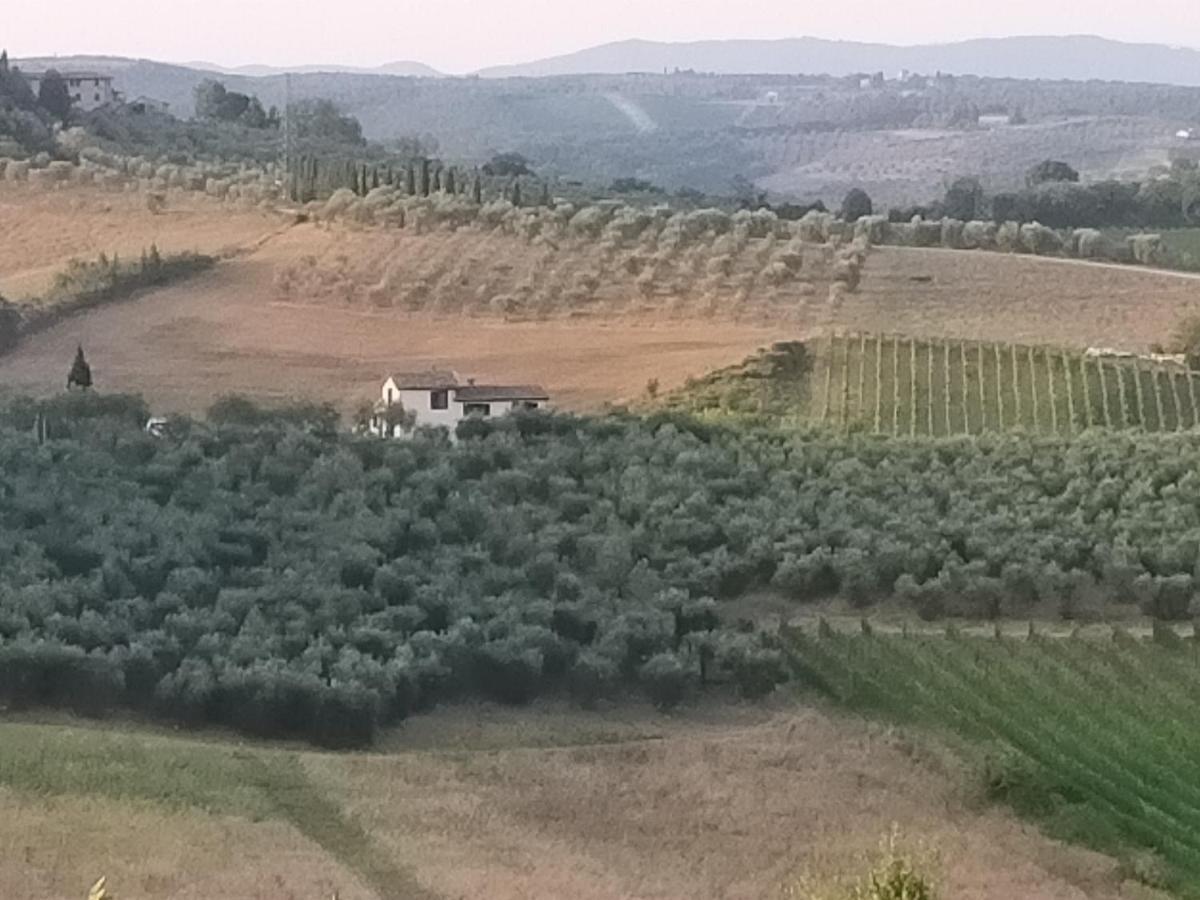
x=1074, y=57
x=400, y=68
x=1077, y=57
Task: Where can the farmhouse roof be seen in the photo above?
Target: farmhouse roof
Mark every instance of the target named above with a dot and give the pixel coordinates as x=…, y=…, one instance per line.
x=432, y=379
x=477, y=393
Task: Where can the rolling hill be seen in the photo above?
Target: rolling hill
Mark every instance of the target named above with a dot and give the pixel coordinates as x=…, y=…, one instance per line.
x=1075, y=57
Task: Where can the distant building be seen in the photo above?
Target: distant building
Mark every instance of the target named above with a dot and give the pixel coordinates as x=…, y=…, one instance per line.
x=1188, y=134
x=88, y=90
x=995, y=120
x=143, y=105
x=438, y=398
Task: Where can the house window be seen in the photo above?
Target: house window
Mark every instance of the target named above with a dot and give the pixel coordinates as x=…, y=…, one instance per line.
x=97, y=98
x=78, y=97
x=477, y=409
x=440, y=400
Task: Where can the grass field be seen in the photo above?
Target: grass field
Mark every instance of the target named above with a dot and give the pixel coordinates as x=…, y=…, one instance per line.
x=42, y=230
x=539, y=803
x=904, y=386
x=1092, y=737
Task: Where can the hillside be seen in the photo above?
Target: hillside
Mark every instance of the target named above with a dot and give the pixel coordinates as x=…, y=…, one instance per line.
x=904, y=386
x=808, y=136
x=509, y=804
x=1074, y=57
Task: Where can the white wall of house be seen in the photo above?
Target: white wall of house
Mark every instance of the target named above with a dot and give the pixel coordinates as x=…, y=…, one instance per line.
x=89, y=93
x=441, y=407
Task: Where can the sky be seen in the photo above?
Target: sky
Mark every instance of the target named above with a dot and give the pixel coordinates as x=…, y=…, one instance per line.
x=459, y=36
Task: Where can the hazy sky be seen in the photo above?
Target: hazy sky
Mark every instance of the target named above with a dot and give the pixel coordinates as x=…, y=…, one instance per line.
x=463, y=35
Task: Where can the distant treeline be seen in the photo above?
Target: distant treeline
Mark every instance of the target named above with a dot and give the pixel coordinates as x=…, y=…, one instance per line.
x=313, y=177
x=1053, y=196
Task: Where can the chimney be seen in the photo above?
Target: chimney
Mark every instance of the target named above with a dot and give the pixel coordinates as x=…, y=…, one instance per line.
x=470, y=382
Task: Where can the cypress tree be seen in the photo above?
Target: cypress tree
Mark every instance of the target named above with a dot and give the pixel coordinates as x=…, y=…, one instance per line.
x=516, y=192
x=546, y=199
x=410, y=181
x=424, y=178
x=80, y=375
x=448, y=182
x=374, y=178
x=477, y=190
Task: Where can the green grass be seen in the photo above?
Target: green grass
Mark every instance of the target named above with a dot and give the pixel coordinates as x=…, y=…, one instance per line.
x=1094, y=739
x=184, y=774
x=916, y=387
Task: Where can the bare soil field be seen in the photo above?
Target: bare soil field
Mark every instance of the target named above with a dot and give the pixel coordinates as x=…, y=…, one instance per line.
x=544, y=803
x=40, y=230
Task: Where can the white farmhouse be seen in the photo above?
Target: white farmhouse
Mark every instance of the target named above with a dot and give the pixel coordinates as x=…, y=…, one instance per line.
x=440, y=398
x=88, y=90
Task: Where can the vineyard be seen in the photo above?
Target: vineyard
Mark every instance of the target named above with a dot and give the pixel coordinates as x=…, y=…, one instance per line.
x=903, y=386
x=1094, y=738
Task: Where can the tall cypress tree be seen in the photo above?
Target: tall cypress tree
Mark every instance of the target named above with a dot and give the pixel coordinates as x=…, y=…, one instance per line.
x=410, y=181
x=477, y=190
x=448, y=182
x=516, y=192
x=80, y=375
x=424, y=178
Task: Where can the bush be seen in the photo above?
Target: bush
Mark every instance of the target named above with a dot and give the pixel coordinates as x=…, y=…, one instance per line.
x=855, y=205
x=665, y=680
x=756, y=668
x=592, y=678
x=1148, y=249
x=509, y=671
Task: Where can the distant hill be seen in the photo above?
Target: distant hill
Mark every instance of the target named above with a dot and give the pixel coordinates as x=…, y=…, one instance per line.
x=402, y=68
x=174, y=83
x=1077, y=57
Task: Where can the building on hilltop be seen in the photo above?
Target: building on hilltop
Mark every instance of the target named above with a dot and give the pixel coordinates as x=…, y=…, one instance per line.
x=88, y=90
x=441, y=398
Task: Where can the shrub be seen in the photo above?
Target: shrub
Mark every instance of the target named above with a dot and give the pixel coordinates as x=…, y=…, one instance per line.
x=952, y=233
x=664, y=679
x=1148, y=249
x=1037, y=238
x=1186, y=340
x=592, y=678
x=10, y=325
x=756, y=668
x=855, y=205
x=978, y=235
x=509, y=671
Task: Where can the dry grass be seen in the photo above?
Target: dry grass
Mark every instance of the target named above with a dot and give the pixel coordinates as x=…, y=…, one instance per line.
x=717, y=801
x=41, y=230
x=185, y=345
x=729, y=806
x=324, y=312
x=1018, y=299
x=55, y=847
